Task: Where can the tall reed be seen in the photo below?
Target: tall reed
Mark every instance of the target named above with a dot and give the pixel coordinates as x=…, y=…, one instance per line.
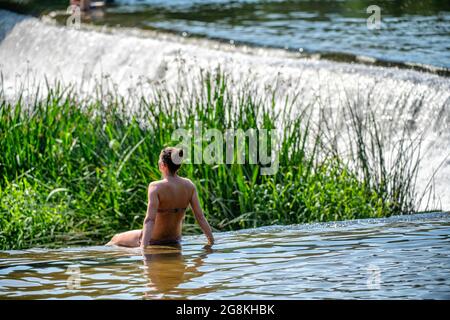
x=76, y=171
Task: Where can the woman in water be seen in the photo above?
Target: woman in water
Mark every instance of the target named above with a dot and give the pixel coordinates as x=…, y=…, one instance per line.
x=167, y=202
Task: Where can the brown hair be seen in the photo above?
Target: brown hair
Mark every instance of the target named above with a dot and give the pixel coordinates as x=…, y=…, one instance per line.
x=172, y=158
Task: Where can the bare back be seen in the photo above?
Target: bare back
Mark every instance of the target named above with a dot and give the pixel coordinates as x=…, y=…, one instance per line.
x=168, y=200
x=173, y=193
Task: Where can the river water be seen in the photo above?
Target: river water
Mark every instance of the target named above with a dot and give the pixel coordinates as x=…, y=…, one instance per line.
x=400, y=257
x=397, y=257
x=410, y=32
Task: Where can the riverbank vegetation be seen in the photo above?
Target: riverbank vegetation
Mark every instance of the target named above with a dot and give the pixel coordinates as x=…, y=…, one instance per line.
x=75, y=171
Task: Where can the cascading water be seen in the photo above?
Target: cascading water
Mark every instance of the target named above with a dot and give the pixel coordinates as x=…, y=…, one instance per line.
x=32, y=50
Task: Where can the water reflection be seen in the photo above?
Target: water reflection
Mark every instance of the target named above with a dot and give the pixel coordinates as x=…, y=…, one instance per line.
x=398, y=257
x=166, y=268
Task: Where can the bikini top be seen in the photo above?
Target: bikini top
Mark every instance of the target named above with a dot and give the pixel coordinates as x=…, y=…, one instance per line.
x=175, y=210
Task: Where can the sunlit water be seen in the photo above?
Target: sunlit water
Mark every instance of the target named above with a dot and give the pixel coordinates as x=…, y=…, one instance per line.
x=398, y=257
x=409, y=31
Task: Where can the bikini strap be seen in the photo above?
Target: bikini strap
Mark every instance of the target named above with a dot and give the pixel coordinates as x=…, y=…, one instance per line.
x=175, y=210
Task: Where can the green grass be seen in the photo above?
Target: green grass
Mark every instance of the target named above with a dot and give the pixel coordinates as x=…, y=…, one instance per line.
x=76, y=171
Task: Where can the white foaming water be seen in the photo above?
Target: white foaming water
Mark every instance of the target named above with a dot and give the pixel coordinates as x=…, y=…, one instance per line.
x=32, y=50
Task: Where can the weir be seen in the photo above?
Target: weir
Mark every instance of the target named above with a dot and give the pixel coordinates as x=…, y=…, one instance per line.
x=130, y=62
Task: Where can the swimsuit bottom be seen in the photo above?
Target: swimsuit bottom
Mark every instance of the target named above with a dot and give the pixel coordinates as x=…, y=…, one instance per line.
x=165, y=242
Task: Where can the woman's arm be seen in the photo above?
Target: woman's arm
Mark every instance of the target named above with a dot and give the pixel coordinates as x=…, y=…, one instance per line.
x=199, y=216
x=152, y=209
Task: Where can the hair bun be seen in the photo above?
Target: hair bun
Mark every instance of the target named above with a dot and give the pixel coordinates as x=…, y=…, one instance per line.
x=180, y=153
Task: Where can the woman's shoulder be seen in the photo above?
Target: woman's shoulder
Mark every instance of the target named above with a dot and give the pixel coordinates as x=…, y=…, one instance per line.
x=155, y=184
x=187, y=181
x=184, y=180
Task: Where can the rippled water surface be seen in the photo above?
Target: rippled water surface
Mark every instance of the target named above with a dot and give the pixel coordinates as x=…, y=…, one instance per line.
x=410, y=31
x=399, y=257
